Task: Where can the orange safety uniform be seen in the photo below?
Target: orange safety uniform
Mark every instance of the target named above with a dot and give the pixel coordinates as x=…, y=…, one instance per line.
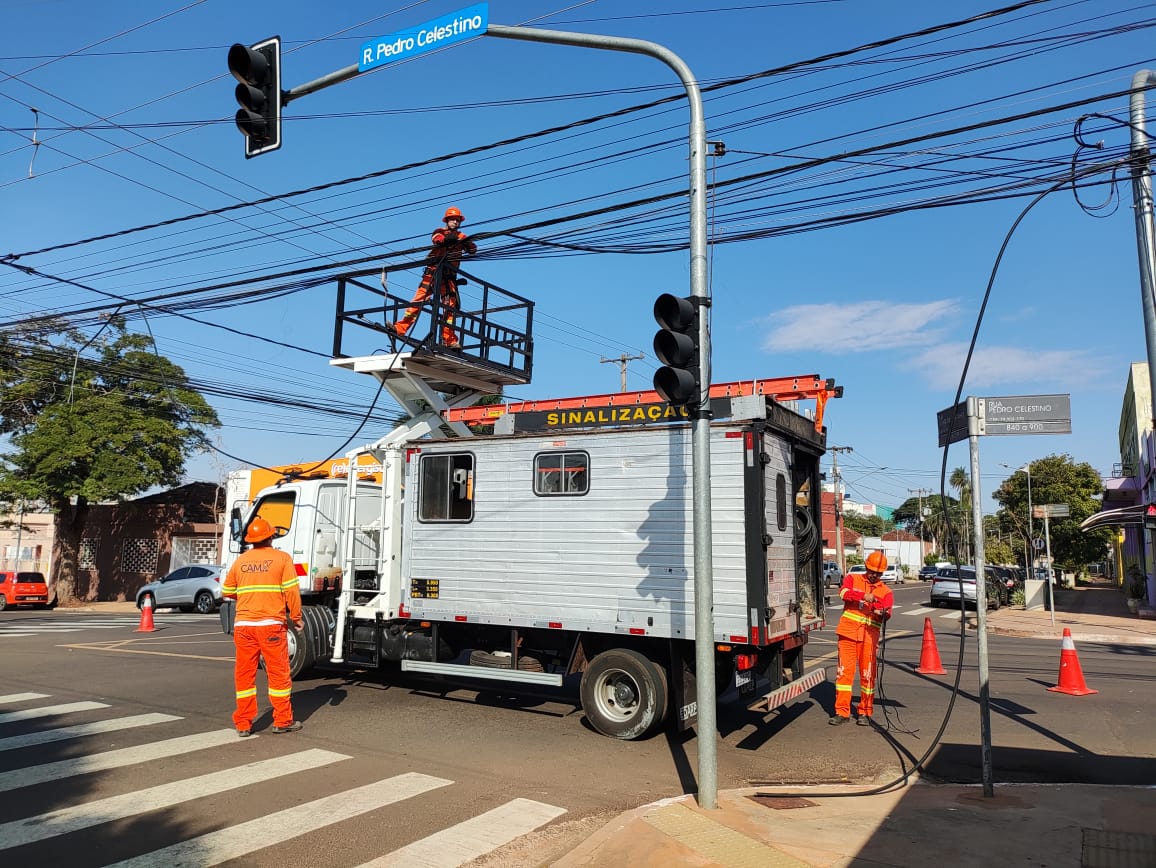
x=858, y=633
x=264, y=584
x=448, y=249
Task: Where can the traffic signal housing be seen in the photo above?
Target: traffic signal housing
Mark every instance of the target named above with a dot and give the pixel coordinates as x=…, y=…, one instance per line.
x=679, y=381
x=257, y=69
x=1150, y=517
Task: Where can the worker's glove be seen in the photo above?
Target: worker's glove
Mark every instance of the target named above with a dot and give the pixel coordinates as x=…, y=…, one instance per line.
x=450, y=236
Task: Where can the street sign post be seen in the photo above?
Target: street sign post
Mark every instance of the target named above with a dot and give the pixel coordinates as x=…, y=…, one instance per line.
x=468, y=23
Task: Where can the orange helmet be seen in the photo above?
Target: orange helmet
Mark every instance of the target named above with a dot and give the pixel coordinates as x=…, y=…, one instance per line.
x=259, y=531
x=453, y=212
x=876, y=562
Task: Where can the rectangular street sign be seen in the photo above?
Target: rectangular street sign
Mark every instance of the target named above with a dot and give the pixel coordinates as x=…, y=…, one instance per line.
x=441, y=32
x=1026, y=414
x=952, y=424
x=1051, y=510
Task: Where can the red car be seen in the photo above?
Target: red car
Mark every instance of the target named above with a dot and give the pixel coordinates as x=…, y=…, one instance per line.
x=23, y=589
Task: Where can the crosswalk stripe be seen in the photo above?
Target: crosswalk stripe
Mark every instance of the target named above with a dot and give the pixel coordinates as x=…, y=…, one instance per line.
x=8, y=635
x=21, y=697
x=114, y=759
x=29, y=739
x=66, y=820
x=920, y=610
x=954, y=615
x=475, y=837
x=49, y=711
x=245, y=838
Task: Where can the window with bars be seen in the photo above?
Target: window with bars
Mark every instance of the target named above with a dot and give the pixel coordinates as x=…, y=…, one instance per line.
x=140, y=555
x=86, y=557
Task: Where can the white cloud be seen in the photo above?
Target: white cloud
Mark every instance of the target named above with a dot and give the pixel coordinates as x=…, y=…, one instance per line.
x=941, y=366
x=864, y=326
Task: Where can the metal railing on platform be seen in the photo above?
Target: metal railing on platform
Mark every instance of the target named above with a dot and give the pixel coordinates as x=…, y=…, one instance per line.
x=492, y=326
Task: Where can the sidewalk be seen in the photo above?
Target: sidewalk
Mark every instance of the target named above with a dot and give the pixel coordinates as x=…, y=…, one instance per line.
x=1077, y=825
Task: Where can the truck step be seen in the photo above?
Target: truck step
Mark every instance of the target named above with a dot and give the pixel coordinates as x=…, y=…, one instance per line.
x=459, y=671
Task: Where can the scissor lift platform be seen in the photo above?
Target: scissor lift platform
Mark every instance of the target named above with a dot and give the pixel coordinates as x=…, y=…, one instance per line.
x=493, y=328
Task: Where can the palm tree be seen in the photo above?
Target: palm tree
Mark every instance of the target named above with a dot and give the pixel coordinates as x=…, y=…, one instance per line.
x=961, y=482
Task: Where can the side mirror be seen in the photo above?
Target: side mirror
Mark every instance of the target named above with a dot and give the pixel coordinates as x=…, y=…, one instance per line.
x=280, y=532
x=235, y=524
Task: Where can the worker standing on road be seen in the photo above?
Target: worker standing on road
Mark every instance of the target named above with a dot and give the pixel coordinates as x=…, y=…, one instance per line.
x=264, y=583
x=449, y=246
x=866, y=605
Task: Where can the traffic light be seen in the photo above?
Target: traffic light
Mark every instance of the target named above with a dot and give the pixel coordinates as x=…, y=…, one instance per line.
x=257, y=68
x=1150, y=517
x=676, y=345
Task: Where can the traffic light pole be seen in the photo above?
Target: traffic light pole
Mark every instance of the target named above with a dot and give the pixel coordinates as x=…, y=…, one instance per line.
x=700, y=433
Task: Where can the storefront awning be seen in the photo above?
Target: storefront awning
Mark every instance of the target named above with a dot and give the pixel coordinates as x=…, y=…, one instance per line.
x=1123, y=517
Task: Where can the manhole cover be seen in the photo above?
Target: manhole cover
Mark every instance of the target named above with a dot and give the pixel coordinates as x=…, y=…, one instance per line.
x=781, y=802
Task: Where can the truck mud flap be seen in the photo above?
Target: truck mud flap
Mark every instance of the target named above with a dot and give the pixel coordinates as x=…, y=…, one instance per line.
x=790, y=691
x=228, y=613
x=319, y=624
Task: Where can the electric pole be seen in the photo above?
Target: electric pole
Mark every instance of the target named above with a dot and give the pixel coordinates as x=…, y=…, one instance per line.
x=621, y=361
x=920, y=492
x=835, y=450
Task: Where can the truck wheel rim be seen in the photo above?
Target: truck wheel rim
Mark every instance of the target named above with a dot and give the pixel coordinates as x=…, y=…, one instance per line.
x=616, y=693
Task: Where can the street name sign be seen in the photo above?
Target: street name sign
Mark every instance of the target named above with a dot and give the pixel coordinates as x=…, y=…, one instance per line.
x=1026, y=414
x=952, y=424
x=1051, y=510
x=467, y=23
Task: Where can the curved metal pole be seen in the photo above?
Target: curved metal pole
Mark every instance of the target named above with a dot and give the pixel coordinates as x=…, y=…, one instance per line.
x=700, y=443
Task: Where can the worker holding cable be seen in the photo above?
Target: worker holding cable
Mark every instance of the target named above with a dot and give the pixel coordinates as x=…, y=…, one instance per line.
x=449, y=246
x=866, y=605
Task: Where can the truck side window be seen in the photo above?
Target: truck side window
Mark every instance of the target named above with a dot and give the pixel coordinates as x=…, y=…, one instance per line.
x=561, y=473
x=781, y=501
x=277, y=508
x=447, y=488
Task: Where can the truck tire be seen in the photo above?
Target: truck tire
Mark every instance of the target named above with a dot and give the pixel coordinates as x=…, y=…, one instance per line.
x=624, y=694
x=300, y=648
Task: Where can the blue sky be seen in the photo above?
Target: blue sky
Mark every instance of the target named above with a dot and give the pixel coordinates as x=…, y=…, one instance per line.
x=134, y=108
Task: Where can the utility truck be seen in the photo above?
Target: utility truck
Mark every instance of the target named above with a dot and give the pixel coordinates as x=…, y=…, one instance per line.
x=556, y=550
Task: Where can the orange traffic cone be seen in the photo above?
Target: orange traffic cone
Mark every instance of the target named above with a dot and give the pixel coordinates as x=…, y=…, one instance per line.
x=1071, y=675
x=146, y=616
x=929, y=657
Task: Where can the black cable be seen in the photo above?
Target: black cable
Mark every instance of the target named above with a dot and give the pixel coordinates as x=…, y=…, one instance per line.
x=980, y=579
x=995, y=13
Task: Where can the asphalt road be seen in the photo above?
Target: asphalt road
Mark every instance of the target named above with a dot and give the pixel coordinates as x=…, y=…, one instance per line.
x=465, y=753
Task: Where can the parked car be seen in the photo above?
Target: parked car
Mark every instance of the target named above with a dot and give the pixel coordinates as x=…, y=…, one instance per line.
x=196, y=587
x=1009, y=578
x=946, y=586
x=928, y=572
x=891, y=575
x=832, y=575
x=23, y=589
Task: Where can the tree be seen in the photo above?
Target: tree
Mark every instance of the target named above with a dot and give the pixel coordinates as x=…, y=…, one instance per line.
x=935, y=523
x=1058, y=479
x=868, y=525
x=89, y=421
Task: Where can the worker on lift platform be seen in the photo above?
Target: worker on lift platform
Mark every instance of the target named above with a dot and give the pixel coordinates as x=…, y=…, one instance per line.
x=449, y=246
